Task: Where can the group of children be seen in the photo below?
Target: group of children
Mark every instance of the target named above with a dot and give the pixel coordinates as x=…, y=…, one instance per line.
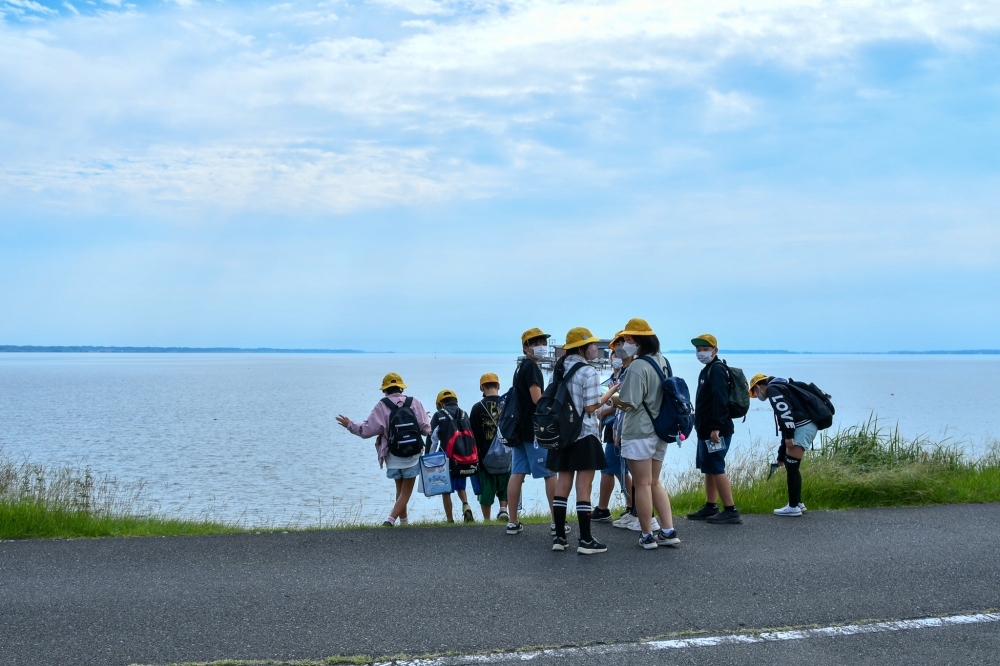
x=616, y=436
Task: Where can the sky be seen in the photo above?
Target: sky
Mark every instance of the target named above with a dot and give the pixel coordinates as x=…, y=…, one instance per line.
x=434, y=176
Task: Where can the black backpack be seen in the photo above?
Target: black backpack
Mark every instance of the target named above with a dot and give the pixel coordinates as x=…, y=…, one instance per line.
x=510, y=413
x=404, y=431
x=816, y=403
x=556, y=422
x=739, y=392
x=457, y=441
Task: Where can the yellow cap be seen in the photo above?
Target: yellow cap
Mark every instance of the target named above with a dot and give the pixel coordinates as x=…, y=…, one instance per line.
x=533, y=333
x=707, y=340
x=488, y=378
x=578, y=337
x=392, y=379
x=615, y=339
x=443, y=395
x=637, y=326
x=757, y=379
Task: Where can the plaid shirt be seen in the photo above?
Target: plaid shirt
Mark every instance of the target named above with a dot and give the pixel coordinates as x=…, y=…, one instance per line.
x=585, y=390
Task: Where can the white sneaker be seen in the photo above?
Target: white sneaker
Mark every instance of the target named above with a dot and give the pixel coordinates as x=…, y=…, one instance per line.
x=634, y=525
x=788, y=510
x=624, y=521
x=802, y=507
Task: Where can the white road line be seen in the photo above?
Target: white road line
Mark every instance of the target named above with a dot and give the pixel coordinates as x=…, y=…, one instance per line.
x=707, y=641
x=846, y=630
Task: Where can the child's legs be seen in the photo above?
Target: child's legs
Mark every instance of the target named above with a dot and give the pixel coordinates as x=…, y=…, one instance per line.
x=711, y=493
x=564, y=484
x=464, y=496
x=585, y=485
x=399, y=489
x=446, y=501
x=725, y=491
x=607, y=487
x=642, y=475
x=405, y=487
x=660, y=498
x=514, y=494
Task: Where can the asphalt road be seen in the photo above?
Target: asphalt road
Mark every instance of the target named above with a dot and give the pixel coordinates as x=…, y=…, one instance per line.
x=417, y=591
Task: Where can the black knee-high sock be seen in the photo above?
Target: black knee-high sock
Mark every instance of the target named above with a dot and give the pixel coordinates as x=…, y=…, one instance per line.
x=583, y=510
x=559, y=515
x=794, y=480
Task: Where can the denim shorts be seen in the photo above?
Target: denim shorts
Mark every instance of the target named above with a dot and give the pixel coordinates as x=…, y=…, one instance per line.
x=614, y=457
x=712, y=462
x=529, y=458
x=406, y=473
x=805, y=434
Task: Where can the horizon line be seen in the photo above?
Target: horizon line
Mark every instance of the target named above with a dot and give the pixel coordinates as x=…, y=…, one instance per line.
x=114, y=349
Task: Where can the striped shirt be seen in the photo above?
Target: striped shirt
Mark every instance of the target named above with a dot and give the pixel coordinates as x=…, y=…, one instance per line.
x=584, y=390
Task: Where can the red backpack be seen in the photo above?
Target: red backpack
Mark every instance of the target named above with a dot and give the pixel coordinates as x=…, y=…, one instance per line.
x=457, y=441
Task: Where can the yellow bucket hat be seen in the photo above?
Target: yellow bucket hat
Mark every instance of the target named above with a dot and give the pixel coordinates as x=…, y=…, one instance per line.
x=637, y=326
x=488, y=378
x=392, y=379
x=757, y=379
x=707, y=340
x=444, y=395
x=533, y=333
x=578, y=337
x=615, y=339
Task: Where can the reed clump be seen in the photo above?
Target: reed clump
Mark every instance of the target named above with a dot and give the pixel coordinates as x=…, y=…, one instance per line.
x=857, y=467
x=66, y=502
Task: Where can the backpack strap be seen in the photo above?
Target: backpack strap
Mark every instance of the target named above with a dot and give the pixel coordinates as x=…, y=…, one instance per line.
x=656, y=366
x=393, y=406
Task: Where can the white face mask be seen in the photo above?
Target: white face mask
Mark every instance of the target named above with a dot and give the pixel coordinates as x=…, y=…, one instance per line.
x=705, y=356
x=591, y=353
x=629, y=349
x=541, y=351
x=616, y=362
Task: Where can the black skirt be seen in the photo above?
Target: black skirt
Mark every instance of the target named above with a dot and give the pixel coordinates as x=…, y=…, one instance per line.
x=586, y=453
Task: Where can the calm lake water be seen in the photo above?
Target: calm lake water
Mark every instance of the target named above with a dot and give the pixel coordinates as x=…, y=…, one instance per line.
x=254, y=435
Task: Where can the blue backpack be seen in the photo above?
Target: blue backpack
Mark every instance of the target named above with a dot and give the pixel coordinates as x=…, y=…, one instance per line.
x=676, y=418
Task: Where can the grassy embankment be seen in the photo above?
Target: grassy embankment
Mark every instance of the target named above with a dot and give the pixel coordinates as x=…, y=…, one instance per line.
x=861, y=466
x=858, y=467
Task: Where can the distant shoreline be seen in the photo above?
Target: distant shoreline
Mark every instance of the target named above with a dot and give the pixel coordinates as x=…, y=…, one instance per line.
x=271, y=350
x=172, y=350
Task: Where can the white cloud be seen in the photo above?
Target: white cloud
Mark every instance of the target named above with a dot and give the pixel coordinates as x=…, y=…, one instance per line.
x=224, y=77
x=275, y=179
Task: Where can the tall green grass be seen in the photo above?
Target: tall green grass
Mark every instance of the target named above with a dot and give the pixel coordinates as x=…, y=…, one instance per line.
x=861, y=466
x=66, y=502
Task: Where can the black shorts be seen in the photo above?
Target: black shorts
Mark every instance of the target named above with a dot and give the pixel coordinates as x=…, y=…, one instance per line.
x=586, y=453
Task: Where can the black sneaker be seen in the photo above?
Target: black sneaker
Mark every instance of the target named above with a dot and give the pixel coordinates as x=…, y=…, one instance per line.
x=600, y=516
x=388, y=523
x=503, y=515
x=667, y=537
x=559, y=543
x=514, y=528
x=589, y=547
x=552, y=529
x=704, y=513
x=726, y=517
x=648, y=542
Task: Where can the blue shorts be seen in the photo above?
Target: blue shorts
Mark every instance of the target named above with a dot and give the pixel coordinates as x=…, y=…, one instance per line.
x=712, y=462
x=458, y=483
x=529, y=458
x=613, y=455
x=407, y=473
